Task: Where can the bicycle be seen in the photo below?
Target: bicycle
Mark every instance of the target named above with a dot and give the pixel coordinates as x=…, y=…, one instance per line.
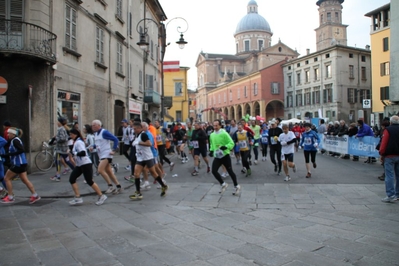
x=44, y=160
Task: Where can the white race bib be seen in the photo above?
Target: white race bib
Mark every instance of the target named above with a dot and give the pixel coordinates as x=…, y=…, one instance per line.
x=159, y=138
x=219, y=154
x=179, y=142
x=273, y=141
x=264, y=139
x=243, y=144
x=195, y=144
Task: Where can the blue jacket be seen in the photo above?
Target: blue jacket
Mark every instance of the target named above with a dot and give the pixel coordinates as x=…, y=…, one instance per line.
x=308, y=140
x=3, y=143
x=365, y=130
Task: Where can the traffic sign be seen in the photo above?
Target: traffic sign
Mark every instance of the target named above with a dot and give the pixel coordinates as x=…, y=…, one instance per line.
x=366, y=103
x=3, y=85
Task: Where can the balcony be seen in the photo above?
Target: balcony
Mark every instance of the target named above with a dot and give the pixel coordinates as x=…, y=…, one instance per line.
x=152, y=97
x=17, y=37
x=168, y=101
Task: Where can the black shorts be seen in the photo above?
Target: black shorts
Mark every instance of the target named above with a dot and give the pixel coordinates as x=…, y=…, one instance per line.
x=18, y=169
x=201, y=151
x=109, y=160
x=148, y=163
x=289, y=157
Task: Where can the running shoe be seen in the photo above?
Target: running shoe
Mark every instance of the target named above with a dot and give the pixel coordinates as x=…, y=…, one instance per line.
x=3, y=193
x=116, y=167
x=223, y=188
x=287, y=178
x=117, y=190
x=129, y=178
x=194, y=173
x=309, y=175
x=66, y=171
x=314, y=165
x=294, y=168
x=55, y=178
x=279, y=172
x=101, y=199
x=164, y=189
x=237, y=191
x=249, y=172
x=275, y=168
x=389, y=199
x=7, y=200
x=76, y=201
x=136, y=196
x=256, y=162
x=172, y=164
x=128, y=167
x=110, y=190
x=145, y=185
x=208, y=169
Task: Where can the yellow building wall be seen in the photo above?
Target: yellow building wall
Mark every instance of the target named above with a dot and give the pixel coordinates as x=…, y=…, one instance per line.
x=378, y=56
x=180, y=102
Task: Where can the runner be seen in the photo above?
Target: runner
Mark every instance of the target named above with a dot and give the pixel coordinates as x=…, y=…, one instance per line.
x=18, y=166
x=103, y=140
x=243, y=140
x=221, y=144
x=287, y=140
x=180, y=138
x=310, y=143
x=233, y=130
x=275, y=146
x=264, y=141
x=256, y=129
x=198, y=140
x=144, y=158
x=126, y=132
x=161, y=145
x=83, y=166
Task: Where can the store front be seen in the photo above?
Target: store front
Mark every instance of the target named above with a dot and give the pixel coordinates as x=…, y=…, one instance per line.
x=135, y=109
x=68, y=106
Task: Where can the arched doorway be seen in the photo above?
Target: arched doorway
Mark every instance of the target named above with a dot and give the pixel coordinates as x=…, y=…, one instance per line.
x=226, y=112
x=274, y=108
x=239, y=111
x=247, y=109
x=257, y=109
x=119, y=114
x=232, y=114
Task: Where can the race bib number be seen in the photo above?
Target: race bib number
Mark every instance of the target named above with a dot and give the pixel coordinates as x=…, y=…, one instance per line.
x=282, y=157
x=296, y=134
x=219, y=154
x=273, y=141
x=243, y=144
x=179, y=142
x=159, y=138
x=195, y=144
x=264, y=140
x=308, y=141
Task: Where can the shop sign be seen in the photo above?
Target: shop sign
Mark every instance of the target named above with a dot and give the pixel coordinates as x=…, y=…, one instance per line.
x=135, y=107
x=68, y=96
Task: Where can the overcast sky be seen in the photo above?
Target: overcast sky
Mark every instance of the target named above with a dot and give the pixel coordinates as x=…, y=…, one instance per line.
x=212, y=24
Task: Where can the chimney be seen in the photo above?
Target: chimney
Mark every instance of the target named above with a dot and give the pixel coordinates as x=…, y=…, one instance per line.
x=367, y=47
x=307, y=51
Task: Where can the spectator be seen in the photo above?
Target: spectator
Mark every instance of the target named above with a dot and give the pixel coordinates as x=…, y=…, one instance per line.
x=352, y=131
x=365, y=130
x=343, y=130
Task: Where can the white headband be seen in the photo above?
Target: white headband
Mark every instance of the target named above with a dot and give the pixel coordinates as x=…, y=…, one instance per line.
x=12, y=131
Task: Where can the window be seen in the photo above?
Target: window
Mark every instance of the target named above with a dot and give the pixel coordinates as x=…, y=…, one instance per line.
x=327, y=93
x=363, y=58
x=129, y=75
x=225, y=97
x=307, y=62
x=321, y=18
x=364, y=75
x=336, y=17
x=246, y=45
x=299, y=99
x=385, y=69
x=352, y=95
x=178, y=116
x=289, y=67
x=178, y=88
x=149, y=82
x=316, y=59
x=316, y=95
x=298, y=77
x=385, y=44
x=328, y=16
x=255, y=88
x=119, y=58
x=316, y=74
x=289, y=99
x=99, y=45
x=238, y=93
x=307, y=98
x=152, y=49
x=307, y=76
x=364, y=94
x=351, y=72
x=350, y=55
x=231, y=96
x=140, y=81
x=70, y=28
x=119, y=8
x=289, y=81
x=327, y=55
x=245, y=92
x=260, y=45
x=384, y=93
x=298, y=65
x=275, y=88
x=328, y=71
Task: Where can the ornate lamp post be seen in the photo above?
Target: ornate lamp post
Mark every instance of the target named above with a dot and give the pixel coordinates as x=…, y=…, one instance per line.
x=162, y=36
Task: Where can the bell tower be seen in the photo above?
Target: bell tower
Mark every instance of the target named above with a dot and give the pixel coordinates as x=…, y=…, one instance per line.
x=331, y=31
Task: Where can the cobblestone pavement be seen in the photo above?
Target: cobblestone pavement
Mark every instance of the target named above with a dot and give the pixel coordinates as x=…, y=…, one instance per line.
x=334, y=218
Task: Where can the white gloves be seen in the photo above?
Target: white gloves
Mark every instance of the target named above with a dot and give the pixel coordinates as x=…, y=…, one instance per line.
x=316, y=145
x=283, y=143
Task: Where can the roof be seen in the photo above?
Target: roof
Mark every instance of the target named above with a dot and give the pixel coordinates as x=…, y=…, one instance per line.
x=224, y=56
x=378, y=10
x=321, y=1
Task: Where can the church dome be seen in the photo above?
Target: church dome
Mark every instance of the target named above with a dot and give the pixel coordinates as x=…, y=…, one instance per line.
x=252, y=21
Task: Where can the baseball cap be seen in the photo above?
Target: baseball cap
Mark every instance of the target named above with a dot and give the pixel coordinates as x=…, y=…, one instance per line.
x=124, y=121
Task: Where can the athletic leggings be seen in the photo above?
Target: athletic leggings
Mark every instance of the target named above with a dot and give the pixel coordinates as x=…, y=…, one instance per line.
x=162, y=155
x=86, y=170
x=312, y=155
x=255, y=148
x=66, y=160
x=273, y=150
x=126, y=148
x=244, y=159
x=226, y=161
x=264, y=150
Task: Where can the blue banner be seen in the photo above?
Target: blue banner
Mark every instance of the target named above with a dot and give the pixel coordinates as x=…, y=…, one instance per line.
x=364, y=146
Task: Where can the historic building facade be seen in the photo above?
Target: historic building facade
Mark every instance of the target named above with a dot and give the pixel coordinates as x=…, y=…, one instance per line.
x=333, y=81
x=77, y=59
x=236, y=85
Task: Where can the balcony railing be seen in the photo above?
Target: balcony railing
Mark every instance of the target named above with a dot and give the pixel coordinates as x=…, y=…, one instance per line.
x=152, y=97
x=25, y=38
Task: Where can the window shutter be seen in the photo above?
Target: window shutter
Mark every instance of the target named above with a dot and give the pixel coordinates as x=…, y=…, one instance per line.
x=73, y=32
x=68, y=26
x=16, y=10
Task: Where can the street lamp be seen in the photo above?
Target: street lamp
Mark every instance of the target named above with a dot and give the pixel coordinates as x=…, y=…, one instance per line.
x=162, y=36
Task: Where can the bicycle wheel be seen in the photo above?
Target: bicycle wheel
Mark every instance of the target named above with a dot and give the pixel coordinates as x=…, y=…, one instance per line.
x=44, y=161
